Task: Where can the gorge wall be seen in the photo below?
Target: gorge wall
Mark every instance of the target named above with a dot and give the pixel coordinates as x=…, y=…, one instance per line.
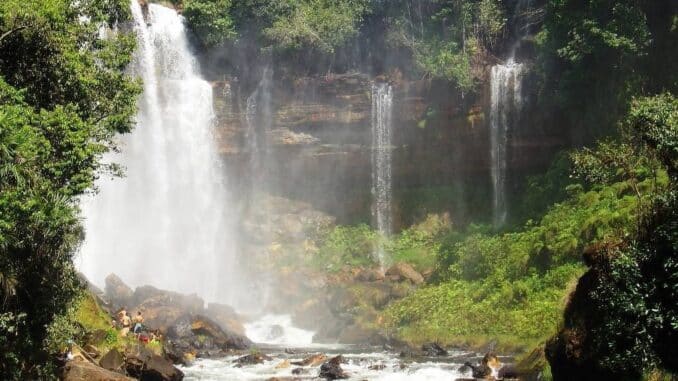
x=318, y=144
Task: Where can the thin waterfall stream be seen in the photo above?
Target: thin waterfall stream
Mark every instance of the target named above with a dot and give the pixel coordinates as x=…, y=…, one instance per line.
x=505, y=98
x=382, y=114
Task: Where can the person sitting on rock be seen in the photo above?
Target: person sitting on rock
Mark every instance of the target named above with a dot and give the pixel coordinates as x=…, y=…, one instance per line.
x=138, y=322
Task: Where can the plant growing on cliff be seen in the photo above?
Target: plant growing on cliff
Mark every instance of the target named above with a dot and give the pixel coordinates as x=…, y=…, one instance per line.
x=210, y=20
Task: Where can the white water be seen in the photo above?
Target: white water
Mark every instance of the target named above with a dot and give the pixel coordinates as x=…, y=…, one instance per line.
x=258, y=118
x=382, y=112
x=278, y=330
x=506, y=104
x=167, y=222
x=357, y=368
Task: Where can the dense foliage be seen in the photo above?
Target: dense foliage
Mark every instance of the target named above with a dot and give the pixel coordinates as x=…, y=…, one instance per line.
x=624, y=308
x=433, y=38
x=63, y=96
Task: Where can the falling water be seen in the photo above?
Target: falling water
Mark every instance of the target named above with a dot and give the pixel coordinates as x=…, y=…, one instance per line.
x=382, y=110
x=506, y=103
x=258, y=117
x=166, y=223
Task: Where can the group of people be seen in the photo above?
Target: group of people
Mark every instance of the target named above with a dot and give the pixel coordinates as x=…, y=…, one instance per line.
x=125, y=322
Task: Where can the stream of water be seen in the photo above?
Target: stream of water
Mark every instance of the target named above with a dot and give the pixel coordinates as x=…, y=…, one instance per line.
x=382, y=113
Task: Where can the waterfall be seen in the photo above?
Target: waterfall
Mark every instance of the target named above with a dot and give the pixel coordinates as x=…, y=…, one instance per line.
x=258, y=118
x=506, y=104
x=167, y=221
x=382, y=110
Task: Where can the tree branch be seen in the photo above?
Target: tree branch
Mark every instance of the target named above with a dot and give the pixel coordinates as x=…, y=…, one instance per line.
x=12, y=31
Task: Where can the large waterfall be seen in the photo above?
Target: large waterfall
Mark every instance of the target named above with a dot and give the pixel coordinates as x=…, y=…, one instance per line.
x=168, y=221
x=382, y=110
x=505, y=108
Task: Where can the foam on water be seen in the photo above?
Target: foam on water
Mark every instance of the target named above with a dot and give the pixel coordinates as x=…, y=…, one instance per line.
x=278, y=330
x=357, y=366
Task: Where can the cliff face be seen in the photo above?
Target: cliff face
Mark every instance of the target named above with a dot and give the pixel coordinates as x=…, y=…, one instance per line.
x=315, y=145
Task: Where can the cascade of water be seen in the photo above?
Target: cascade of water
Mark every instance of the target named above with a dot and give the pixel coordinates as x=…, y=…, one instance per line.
x=166, y=222
x=506, y=103
x=382, y=110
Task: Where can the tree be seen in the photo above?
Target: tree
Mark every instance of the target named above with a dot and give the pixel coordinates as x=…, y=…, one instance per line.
x=74, y=98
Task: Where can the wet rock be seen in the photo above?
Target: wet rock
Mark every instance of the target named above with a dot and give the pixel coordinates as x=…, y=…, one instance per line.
x=226, y=317
x=508, y=371
x=377, y=367
x=253, y=359
x=433, y=350
x=331, y=370
x=200, y=332
x=405, y=271
x=190, y=303
x=314, y=360
x=283, y=364
x=484, y=370
x=298, y=371
x=148, y=366
x=86, y=371
x=113, y=360
x=117, y=292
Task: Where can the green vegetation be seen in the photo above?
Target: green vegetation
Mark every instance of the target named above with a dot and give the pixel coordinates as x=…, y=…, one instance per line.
x=210, y=20
x=512, y=286
x=63, y=96
x=624, y=305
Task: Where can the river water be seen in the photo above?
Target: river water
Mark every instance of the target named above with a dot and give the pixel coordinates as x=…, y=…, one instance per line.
x=280, y=340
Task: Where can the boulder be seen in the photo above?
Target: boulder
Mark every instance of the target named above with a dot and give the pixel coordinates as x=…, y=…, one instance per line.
x=86, y=371
x=252, y=359
x=314, y=360
x=118, y=293
x=226, y=317
x=369, y=275
x=433, y=350
x=508, y=371
x=189, y=303
x=202, y=333
x=405, y=271
x=91, y=350
x=148, y=366
x=113, y=360
x=331, y=370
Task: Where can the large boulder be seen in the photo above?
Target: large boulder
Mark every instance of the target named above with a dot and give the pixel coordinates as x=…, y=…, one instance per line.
x=86, y=371
x=117, y=292
x=148, y=366
x=331, y=370
x=200, y=332
x=113, y=360
x=405, y=271
x=190, y=303
x=226, y=317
